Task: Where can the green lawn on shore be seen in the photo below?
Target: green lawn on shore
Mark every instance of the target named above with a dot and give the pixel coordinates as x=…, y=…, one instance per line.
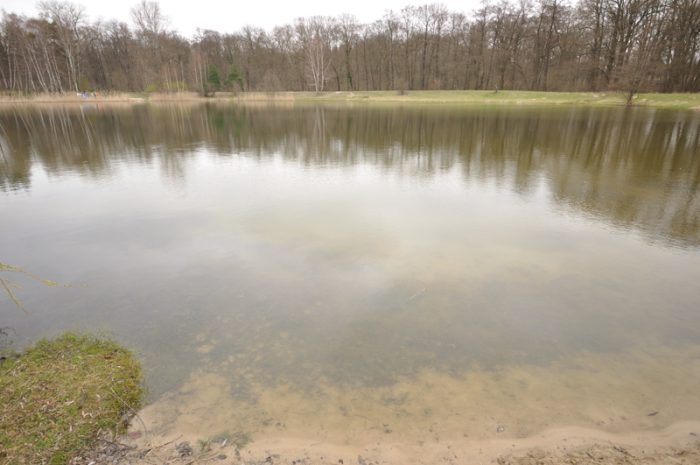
x=509, y=97
x=461, y=97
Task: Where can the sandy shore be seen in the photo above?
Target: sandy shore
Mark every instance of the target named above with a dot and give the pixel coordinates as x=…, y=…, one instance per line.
x=676, y=444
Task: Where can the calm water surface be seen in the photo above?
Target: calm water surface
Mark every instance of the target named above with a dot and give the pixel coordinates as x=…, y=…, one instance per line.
x=370, y=257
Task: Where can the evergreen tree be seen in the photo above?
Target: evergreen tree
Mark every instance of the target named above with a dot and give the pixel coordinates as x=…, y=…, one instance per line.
x=213, y=78
x=233, y=76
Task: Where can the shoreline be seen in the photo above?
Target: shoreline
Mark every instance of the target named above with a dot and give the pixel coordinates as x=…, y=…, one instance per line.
x=464, y=98
x=201, y=423
x=145, y=443
x=675, y=444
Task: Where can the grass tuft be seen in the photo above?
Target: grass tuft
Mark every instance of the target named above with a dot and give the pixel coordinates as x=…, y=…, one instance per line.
x=58, y=396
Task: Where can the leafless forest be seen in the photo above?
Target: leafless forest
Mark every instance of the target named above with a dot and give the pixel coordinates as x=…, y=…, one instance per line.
x=590, y=45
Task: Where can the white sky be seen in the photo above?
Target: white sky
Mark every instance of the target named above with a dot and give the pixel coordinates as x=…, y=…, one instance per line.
x=228, y=16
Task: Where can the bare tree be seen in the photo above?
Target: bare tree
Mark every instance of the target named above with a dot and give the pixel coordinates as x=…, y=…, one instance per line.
x=622, y=45
x=149, y=19
x=67, y=18
x=315, y=35
x=348, y=28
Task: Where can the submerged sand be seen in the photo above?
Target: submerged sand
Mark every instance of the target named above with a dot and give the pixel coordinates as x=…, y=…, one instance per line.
x=639, y=407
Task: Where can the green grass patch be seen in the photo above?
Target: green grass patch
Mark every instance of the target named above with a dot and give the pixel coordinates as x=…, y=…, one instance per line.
x=58, y=396
x=677, y=101
x=489, y=97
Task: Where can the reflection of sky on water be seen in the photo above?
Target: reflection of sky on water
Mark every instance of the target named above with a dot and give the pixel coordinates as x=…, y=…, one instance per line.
x=354, y=245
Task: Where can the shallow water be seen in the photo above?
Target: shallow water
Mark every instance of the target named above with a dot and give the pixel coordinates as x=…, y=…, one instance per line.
x=399, y=266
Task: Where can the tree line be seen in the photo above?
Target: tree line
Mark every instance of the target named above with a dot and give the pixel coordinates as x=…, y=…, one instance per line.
x=588, y=45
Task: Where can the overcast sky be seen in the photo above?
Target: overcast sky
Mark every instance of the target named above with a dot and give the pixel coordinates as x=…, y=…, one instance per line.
x=227, y=16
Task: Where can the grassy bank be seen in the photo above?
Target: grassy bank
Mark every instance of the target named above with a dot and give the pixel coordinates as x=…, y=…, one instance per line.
x=467, y=97
x=58, y=396
x=477, y=97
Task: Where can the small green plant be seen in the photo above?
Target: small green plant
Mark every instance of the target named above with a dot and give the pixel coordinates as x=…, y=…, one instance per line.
x=204, y=445
x=241, y=439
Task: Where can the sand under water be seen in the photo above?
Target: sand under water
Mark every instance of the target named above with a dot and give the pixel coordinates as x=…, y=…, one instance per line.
x=634, y=407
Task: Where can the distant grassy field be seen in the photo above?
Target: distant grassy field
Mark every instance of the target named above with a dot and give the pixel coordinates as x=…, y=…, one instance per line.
x=463, y=97
x=507, y=97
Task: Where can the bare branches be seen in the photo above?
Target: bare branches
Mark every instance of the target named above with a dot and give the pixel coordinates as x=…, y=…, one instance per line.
x=512, y=44
x=10, y=287
x=7, y=286
x=67, y=19
x=315, y=35
x=148, y=19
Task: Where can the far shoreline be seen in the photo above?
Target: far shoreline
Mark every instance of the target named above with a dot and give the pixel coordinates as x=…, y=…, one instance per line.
x=469, y=98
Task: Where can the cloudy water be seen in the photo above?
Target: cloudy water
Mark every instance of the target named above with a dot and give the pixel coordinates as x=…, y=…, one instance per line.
x=354, y=272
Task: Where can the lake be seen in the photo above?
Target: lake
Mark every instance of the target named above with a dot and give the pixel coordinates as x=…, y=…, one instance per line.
x=367, y=273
